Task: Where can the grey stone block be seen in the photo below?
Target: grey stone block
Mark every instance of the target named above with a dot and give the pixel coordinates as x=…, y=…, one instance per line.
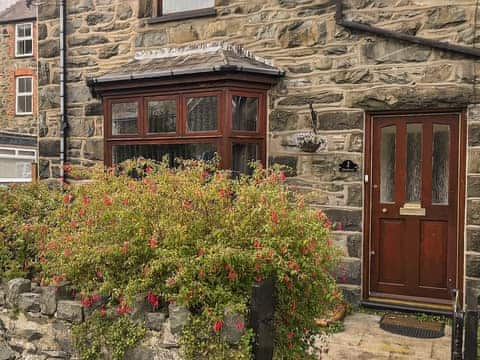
x=15, y=288
x=155, y=321
x=179, y=317
x=71, y=311
x=29, y=302
x=233, y=327
x=6, y=352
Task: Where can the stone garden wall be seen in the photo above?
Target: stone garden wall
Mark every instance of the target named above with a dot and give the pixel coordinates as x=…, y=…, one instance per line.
x=36, y=322
x=343, y=73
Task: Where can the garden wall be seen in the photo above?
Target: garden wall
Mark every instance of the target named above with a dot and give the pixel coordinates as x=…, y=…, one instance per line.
x=343, y=73
x=36, y=324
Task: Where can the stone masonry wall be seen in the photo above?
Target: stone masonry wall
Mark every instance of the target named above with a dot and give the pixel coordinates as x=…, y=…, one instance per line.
x=10, y=68
x=342, y=73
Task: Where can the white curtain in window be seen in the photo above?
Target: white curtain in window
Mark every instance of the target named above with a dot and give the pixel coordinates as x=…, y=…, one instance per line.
x=173, y=6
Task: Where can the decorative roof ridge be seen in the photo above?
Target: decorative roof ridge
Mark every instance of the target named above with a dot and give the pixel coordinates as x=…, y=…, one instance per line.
x=201, y=48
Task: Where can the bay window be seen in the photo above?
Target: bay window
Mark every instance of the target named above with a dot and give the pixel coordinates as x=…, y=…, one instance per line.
x=188, y=124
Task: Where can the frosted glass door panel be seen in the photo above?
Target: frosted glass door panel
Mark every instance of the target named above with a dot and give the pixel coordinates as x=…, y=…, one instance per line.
x=387, y=167
x=173, y=6
x=440, y=164
x=414, y=163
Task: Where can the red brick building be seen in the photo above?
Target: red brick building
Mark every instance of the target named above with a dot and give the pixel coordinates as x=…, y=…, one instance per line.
x=18, y=87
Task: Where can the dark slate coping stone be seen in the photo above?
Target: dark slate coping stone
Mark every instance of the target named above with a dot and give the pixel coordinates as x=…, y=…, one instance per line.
x=17, y=139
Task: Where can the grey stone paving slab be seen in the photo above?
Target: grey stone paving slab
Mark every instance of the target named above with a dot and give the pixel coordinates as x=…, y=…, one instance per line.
x=363, y=339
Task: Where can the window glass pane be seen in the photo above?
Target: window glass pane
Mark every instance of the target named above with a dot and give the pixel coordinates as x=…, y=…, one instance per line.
x=245, y=113
x=28, y=46
x=24, y=85
x=172, y=6
x=124, y=118
x=387, y=166
x=243, y=155
x=414, y=163
x=21, y=30
x=20, y=47
x=24, y=104
x=162, y=116
x=440, y=163
x=15, y=169
x=156, y=152
x=202, y=113
x=27, y=30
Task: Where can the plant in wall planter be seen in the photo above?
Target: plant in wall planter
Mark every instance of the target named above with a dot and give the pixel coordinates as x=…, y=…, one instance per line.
x=310, y=141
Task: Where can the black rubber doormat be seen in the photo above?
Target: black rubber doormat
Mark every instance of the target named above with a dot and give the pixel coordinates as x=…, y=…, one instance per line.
x=405, y=325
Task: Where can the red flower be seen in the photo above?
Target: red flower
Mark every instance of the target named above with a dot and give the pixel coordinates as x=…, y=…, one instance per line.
x=222, y=193
x=125, y=202
x=274, y=217
x=153, y=300
x=149, y=169
x=187, y=204
x=290, y=335
x=103, y=312
x=292, y=265
x=240, y=325
x=82, y=212
x=67, y=253
x=259, y=278
x=99, y=274
x=217, y=327
x=96, y=297
x=86, y=200
x=232, y=276
x=87, y=302
x=123, y=309
x=67, y=199
x=107, y=200
x=283, y=177
x=257, y=244
x=152, y=243
x=320, y=215
x=201, y=252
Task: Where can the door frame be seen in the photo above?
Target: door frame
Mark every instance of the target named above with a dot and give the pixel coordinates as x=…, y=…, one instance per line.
x=367, y=218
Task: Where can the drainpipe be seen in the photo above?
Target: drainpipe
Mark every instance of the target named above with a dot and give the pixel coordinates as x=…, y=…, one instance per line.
x=63, y=117
x=355, y=25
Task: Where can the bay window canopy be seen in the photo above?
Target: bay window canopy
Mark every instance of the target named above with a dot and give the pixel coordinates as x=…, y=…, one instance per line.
x=189, y=103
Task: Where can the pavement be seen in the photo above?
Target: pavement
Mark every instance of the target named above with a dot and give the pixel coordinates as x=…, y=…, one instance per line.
x=363, y=339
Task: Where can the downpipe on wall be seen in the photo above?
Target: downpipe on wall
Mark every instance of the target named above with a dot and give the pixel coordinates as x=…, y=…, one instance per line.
x=63, y=117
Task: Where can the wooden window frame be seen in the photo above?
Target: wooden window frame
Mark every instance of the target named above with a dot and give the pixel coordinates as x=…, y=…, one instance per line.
x=160, y=17
x=223, y=136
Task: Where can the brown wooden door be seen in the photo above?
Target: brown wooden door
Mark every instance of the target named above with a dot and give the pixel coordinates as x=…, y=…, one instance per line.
x=413, y=251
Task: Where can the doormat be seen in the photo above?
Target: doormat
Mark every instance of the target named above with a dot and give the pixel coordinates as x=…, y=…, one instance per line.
x=410, y=326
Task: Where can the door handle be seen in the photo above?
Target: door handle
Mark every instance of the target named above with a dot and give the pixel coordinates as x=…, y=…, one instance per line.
x=384, y=210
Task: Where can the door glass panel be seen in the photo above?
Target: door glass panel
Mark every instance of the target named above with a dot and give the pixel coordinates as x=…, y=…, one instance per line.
x=158, y=152
x=440, y=163
x=414, y=163
x=243, y=155
x=124, y=118
x=173, y=6
x=162, y=116
x=202, y=113
x=387, y=166
x=244, y=113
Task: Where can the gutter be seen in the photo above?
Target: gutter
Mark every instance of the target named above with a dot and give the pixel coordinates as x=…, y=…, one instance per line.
x=436, y=44
x=181, y=72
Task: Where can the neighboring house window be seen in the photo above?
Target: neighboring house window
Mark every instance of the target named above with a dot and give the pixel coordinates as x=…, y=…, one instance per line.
x=175, y=6
x=24, y=40
x=189, y=125
x=24, y=95
x=16, y=164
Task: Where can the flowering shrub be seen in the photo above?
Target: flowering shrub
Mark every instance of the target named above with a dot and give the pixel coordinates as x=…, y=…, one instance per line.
x=22, y=208
x=194, y=236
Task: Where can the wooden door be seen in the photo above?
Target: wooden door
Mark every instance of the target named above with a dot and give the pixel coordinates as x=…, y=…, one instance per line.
x=414, y=207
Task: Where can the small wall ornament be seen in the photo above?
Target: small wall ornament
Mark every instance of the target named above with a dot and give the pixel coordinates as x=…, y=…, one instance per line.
x=348, y=166
x=310, y=141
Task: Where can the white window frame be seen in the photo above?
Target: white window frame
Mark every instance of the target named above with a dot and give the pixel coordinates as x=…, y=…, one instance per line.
x=18, y=94
x=23, y=38
x=17, y=155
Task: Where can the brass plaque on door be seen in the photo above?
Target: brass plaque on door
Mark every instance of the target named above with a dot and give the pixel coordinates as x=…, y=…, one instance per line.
x=412, y=210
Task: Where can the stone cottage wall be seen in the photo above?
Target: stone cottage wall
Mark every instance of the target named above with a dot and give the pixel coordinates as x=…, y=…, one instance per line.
x=10, y=67
x=342, y=73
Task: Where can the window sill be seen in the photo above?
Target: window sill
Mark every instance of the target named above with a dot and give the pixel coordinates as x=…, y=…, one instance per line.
x=185, y=15
x=23, y=56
